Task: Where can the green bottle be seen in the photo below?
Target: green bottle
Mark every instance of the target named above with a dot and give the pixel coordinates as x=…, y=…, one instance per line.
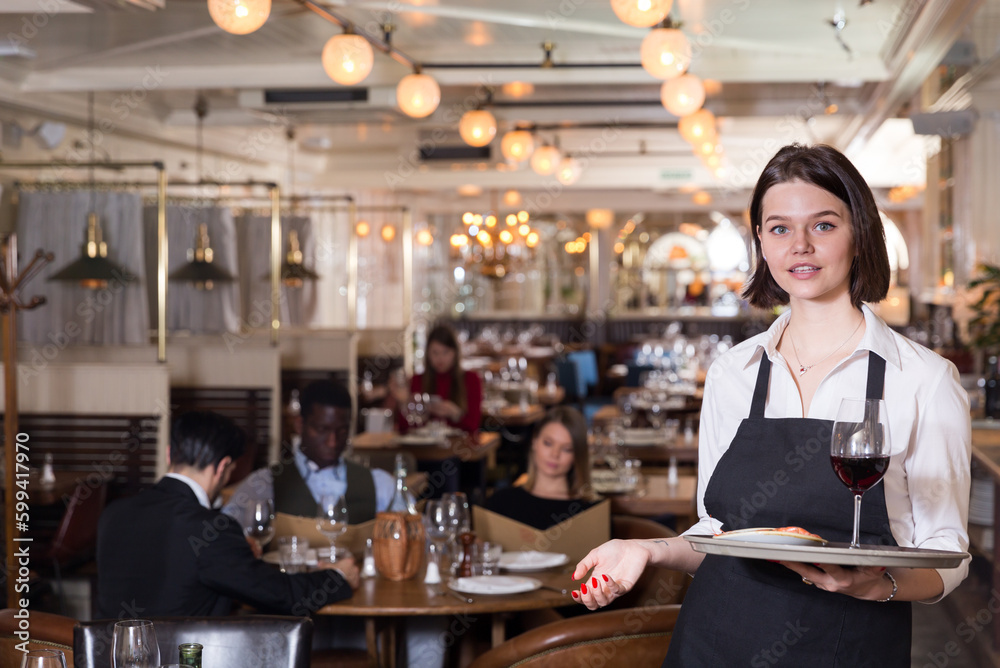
x=190, y=654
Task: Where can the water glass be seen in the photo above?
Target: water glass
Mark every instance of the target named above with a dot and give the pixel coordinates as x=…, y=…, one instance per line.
x=292, y=553
x=631, y=473
x=490, y=556
x=44, y=658
x=133, y=645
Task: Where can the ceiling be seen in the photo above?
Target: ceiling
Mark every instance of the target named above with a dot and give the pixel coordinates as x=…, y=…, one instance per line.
x=776, y=66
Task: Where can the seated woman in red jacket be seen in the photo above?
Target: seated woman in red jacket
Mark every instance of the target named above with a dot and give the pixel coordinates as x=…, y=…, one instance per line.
x=456, y=395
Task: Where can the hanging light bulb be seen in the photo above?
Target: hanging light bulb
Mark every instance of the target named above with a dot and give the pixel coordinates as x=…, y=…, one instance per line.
x=517, y=145
x=665, y=53
x=697, y=127
x=683, y=95
x=239, y=17
x=388, y=232
x=425, y=238
x=294, y=272
x=545, y=160
x=348, y=58
x=569, y=171
x=600, y=219
x=641, y=13
x=512, y=198
x=362, y=228
x=477, y=127
x=418, y=95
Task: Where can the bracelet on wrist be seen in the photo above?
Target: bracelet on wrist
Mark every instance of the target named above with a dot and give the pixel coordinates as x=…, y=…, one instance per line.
x=891, y=596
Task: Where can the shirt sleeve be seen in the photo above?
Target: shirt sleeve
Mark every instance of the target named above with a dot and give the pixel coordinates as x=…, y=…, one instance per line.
x=385, y=487
x=256, y=487
x=474, y=398
x=938, y=473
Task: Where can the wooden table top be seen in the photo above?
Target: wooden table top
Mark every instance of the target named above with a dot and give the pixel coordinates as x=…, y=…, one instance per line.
x=658, y=498
x=49, y=495
x=986, y=449
x=513, y=416
x=464, y=447
x=381, y=597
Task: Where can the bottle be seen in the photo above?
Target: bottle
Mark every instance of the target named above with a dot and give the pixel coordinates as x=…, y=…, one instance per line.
x=992, y=402
x=672, y=473
x=48, y=475
x=402, y=500
x=190, y=653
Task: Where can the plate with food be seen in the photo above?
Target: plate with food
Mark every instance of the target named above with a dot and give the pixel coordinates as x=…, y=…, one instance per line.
x=780, y=536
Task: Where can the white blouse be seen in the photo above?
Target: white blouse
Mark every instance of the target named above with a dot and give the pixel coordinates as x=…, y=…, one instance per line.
x=926, y=487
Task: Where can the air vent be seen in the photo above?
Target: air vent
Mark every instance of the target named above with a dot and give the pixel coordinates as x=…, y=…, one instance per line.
x=314, y=95
x=455, y=152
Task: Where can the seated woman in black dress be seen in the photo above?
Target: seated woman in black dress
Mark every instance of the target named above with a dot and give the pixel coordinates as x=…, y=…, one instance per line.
x=558, y=479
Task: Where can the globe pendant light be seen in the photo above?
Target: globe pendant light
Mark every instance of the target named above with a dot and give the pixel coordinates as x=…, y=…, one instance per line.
x=665, y=53
x=239, y=17
x=418, y=95
x=545, y=160
x=698, y=127
x=569, y=171
x=683, y=96
x=641, y=13
x=348, y=58
x=478, y=127
x=517, y=145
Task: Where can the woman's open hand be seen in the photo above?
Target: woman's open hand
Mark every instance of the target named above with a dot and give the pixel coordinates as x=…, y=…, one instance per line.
x=616, y=566
x=865, y=582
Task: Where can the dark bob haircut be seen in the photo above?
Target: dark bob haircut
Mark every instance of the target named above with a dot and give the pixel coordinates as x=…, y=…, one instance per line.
x=827, y=168
x=202, y=438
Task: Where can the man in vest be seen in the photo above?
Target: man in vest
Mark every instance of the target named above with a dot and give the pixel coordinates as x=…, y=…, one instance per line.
x=316, y=467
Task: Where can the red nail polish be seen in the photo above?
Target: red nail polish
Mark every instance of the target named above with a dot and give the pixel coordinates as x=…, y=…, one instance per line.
x=575, y=595
x=594, y=581
x=605, y=578
x=882, y=570
x=583, y=588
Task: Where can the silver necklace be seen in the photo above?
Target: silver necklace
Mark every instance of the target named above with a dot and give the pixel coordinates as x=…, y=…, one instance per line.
x=805, y=367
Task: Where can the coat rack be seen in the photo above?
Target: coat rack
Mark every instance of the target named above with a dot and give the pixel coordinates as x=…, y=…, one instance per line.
x=10, y=304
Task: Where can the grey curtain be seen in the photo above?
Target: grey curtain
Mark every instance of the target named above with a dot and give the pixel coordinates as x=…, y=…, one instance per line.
x=57, y=222
x=298, y=305
x=189, y=309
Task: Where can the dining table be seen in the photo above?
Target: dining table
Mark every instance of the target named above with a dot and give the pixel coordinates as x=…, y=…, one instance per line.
x=655, y=496
x=385, y=603
x=427, y=447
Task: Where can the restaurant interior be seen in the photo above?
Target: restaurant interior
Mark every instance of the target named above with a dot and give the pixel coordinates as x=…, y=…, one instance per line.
x=210, y=204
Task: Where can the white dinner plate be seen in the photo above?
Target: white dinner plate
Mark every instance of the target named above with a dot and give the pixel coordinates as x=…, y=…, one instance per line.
x=494, y=584
x=774, y=536
x=421, y=439
x=887, y=556
x=531, y=560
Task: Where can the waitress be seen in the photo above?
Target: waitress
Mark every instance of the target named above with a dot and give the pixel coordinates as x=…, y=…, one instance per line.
x=820, y=248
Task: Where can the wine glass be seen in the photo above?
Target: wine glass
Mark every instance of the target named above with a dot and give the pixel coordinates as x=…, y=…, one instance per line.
x=456, y=509
x=331, y=520
x=437, y=525
x=44, y=658
x=133, y=645
x=860, y=449
x=260, y=523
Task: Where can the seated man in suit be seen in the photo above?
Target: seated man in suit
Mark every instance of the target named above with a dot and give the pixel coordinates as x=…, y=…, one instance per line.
x=166, y=552
x=316, y=467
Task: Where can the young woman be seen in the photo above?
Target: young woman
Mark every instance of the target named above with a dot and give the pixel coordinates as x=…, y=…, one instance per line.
x=558, y=479
x=819, y=248
x=456, y=395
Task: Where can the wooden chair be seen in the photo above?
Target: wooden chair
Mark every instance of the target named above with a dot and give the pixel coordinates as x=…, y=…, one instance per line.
x=657, y=586
x=48, y=631
x=634, y=637
x=229, y=642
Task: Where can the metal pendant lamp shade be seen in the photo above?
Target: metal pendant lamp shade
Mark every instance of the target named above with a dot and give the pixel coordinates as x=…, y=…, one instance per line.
x=93, y=269
x=294, y=273
x=200, y=269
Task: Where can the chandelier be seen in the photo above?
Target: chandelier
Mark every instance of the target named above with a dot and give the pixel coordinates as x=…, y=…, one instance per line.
x=493, y=247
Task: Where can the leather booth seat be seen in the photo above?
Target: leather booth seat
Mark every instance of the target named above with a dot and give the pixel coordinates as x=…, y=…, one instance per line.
x=48, y=631
x=267, y=641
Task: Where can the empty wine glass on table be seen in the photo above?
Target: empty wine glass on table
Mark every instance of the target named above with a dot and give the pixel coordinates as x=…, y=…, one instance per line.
x=44, y=658
x=260, y=523
x=859, y=451
x=133, y=645
x=438, y=527
x=331, y=520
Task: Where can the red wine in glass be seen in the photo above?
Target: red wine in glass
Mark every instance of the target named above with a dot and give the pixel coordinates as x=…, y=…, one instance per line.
x=859, y=449
x=859, y=473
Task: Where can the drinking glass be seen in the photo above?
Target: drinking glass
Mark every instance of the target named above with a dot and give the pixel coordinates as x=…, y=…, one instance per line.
x=331, y=519
x=260, y=523
x=457, y=511
x=292, y=553
x=859, y=451
x=133, y=645
x=437, y=522
x=44, y=658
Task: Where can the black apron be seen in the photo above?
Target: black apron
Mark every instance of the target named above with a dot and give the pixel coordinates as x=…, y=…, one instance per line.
x=750, y=612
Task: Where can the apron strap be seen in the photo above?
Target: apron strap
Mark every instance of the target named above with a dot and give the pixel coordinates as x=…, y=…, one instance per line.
x=876, y=376
x=760, y=389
